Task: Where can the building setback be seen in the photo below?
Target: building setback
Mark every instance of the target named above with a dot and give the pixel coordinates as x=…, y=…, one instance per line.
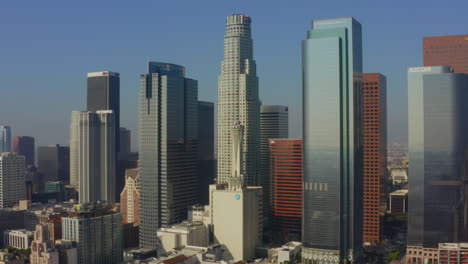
x=12, y=176
x=332, y=69
x=24, y=146
x=238, y=99
x=374, y=122
x=54, y=162
x=130, y=198
x=5, y=139
x=96, y=156
x=437, y=128
x=168, y=148
x=273, y=124
x=447, y=51
x=286, y=182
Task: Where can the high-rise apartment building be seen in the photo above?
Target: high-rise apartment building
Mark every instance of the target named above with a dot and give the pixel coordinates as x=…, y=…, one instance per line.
x=168, y=145
x=24, y=146
x=332, y=69
x=130, y=198
x=273, y=124
x=374, y=124
x=12, y=173
x=104, y=94
x=447, y=51
x=238, y=99
x=286, y=156
x=98, y=232
x=5, y=138
x=206, y=158
x=96, y=156
x=438, y=128
x=54, y=162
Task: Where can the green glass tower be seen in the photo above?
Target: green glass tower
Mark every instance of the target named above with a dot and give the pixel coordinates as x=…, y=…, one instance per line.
x=332, y=188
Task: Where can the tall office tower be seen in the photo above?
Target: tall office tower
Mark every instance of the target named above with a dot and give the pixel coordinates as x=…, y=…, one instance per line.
x=54, y=162
x=104, y=94
x=96, y=156
x=273, y=124
x=5, y=139
x=374, y=122
x=12, y=173
x=238, y=99
x=75, y=148
x=130, y=198
x=286, y=187
x=447, y=50
x=438, y=128
x=168, y=146
x=24, y=146
x=42, y=247
x=98, y=232
x=332, y=69
x=125, y=140
x=206, y=158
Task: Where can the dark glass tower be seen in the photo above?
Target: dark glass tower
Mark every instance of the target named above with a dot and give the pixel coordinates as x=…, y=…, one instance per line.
x=438, y=128
x=332, y=69
x=206, y=159
x=24, y=146
x=168, y=148
x=54, y=162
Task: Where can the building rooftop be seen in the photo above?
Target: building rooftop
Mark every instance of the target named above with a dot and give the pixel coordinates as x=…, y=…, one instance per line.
x=402, y=192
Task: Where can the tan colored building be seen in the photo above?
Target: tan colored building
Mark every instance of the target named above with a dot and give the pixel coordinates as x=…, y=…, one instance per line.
x=184, y=234
x=130, y=197
x=42, y=248
x=418, y=255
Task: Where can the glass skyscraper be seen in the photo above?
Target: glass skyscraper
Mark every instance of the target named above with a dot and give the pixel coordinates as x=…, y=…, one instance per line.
x=168, y=145
x=332, y=72
x=5, y=139
x=438, y=129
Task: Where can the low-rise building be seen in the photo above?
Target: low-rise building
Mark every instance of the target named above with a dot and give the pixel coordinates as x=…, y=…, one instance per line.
x=285, y=254
x=185, y=234
x=19, y=238
x=68, y=251
x=419, y=254
x=453, y=253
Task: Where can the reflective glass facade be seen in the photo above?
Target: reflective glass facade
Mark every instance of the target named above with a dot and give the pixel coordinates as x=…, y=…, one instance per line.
x=332, y=185
x=168, y=146
x=5, y=139
x=437, y=122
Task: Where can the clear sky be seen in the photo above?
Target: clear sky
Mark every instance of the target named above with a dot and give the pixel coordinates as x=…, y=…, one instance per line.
x=47, y=47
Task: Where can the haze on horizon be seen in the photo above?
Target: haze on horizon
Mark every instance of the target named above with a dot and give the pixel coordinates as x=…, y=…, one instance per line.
x=48, y=48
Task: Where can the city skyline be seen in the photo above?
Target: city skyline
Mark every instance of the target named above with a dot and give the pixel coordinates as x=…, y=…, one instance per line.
x=70, y=81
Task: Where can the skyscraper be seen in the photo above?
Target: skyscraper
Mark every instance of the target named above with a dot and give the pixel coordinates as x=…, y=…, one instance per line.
x=273, y=124
x=24, y=146
x=5, y=139
x=96, y=156
x=447, y=51
x=238, y=99
x=54, y=162
x=286, y=184
x=206, y=157
x=332, y=69
x=125, y=140
x=130, y=197
x=12, y=173
x=374, y=108
x=168, y=145
x=438, y=128
x=75, y=148
x=104, y=94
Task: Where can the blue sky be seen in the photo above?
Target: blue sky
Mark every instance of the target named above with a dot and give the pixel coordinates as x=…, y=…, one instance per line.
x=47, y=47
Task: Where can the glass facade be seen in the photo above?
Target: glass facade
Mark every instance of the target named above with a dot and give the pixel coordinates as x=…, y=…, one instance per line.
x=332, y=185
x=437, y=122
x=5, y=139
x=168, y=146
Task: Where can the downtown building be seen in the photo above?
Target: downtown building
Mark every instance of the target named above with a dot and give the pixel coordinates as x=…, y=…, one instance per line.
x=24, y=146
x=447, y=51
x=97, y=231
x=273, y=124
x=96, y=155
x=54, y=162
x=168, y=148
x=374, y=122
x=206, y=156
x=5, y=138
x=238, y=100
x=332, y=184
x=438, y=127
x=130, y=197
x=12, y=176
x=286, y=157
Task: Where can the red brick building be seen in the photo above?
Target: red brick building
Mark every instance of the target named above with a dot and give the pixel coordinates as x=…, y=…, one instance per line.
x=374, y=105
x=286, y=187
x=447, y=51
